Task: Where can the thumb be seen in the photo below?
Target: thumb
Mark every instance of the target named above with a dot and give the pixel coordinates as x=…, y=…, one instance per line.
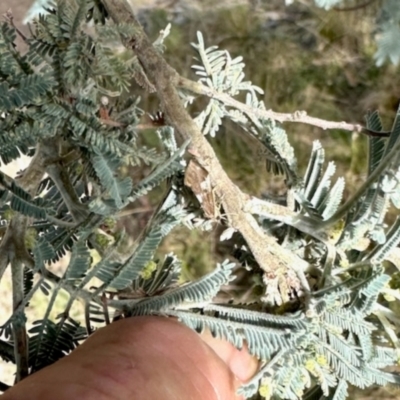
x=141, y=358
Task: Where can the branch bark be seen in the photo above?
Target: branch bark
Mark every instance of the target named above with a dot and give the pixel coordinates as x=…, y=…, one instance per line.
x=271, y=257
x=297, y=116
x=12, y=244
x=13, y=250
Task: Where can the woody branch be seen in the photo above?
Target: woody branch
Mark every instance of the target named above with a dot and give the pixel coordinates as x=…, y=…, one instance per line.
x=271, y=257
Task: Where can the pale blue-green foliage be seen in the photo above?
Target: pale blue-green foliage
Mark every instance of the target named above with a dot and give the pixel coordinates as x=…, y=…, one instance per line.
x=388, y=33
x=80, y=261
x=222, y=73
x=388, y=43
x=391, y=186
x=279, y=153
x=119, y=275
x=330, y=344
x=106, y=168
x=191, y=294
x=372, y=209
x=344, y=346
x=162, y=225
x=392, y=240
x=156, y=280
x=333, y=339
x=21, y=201
x=171, y=167
x=42, y=253
x=53, y=94
x=51, y=340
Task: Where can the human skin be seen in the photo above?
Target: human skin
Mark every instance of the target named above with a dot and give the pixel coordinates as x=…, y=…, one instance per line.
x=142, y=358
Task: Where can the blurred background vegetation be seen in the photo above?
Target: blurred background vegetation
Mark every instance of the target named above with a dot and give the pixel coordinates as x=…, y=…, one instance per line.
x=304, y=58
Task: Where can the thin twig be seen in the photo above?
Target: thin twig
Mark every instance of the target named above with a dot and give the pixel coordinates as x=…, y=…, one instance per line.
x=9, y=17
x=3, y=260
x=258, y=113
x=13, y=250
x=61, y=179
x=132, y=211
x=60, y=222
x=18, y=321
